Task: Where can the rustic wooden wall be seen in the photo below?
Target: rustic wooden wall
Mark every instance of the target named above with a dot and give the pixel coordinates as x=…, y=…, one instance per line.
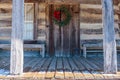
x=90, y=21
x=63, y=40
x=5, y=20
x=41, y=22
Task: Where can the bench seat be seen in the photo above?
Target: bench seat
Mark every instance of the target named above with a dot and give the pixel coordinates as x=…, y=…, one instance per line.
x=40, y=46
x=97, y=47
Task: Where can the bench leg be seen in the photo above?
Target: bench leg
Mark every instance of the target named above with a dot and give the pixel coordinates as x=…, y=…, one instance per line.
x=84, y=52
x=42, y=52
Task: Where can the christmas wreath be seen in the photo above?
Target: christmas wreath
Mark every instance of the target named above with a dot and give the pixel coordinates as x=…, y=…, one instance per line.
x=61, y=16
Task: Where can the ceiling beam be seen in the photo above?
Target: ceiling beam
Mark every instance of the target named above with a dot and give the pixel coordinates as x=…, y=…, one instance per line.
x=115, y=2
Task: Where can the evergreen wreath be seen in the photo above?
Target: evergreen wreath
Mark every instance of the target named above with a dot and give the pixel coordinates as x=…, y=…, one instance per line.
x=61, y=16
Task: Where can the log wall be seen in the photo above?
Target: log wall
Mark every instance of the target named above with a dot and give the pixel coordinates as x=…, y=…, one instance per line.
x=5, y=20
x=41, y=22
x=90, y=21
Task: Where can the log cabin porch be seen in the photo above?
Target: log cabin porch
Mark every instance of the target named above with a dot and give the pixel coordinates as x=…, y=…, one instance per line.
x=59, y=41
x=60, y=68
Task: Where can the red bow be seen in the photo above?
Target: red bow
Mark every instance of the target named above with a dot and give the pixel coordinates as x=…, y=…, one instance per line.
x=57, y=14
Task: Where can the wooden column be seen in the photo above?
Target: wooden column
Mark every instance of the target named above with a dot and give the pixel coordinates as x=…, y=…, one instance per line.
x=110, y=55
x=16, y=62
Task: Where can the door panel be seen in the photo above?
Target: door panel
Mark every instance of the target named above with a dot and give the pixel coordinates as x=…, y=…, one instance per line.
x=64, y=40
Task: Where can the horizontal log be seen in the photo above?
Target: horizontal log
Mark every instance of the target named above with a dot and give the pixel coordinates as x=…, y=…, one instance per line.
x=6, y=17
x=6, y=5
x=5, y=31
x=5, y=38
x=95, y=6
x=88, y=37
x=89, y=20
x=5, y=10
x=80, y=1
x=93, y=25
x=70, y=1
x=118, y=22
x=5, y=25
x=94, y=15
x=5, y=1
x=93, y=20
x=34, y=1
x=118, y=12
x=94, y=31
x=98, y=36
x=97, y=11
x=5, y=21
x=5, y=34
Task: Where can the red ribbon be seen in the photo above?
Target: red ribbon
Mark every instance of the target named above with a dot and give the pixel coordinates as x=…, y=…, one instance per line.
x=57, y=14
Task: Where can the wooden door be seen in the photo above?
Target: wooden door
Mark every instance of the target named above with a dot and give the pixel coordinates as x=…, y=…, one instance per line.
x=64, y=41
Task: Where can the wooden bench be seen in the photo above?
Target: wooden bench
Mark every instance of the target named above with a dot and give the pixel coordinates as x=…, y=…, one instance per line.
x=40, y=46
x=98, y=47
x=86, y=46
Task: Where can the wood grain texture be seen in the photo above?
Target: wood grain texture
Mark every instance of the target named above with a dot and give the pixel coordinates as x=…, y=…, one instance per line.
x=47, y=28
x=16, y=61
x=36, y=68
x=58, y=37
x=64, y=2
x=51, y=33
x=109, y=43
x=77, y=1
x=36, y=10
x=65, y=39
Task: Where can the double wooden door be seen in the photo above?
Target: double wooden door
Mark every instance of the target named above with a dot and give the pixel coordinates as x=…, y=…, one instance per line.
x=64, y=41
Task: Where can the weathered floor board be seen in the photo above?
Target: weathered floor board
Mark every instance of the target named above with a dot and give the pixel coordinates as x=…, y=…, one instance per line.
x=74, y=68
x=51, y=70
x=78, y=63
x=6, y=64
x=92, y=64
x=97, y=75
x=59, y=69
x=86, y=65
x=67, y=69
x=46, y=65
x=27, y=66
x=38, y=66
x=100, y=67
x=88, y=75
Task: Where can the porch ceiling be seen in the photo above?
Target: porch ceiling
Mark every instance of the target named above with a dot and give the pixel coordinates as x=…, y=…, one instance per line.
x=65, y=1
x=78, y=1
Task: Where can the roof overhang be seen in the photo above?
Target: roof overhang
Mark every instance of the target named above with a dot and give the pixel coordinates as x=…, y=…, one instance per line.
x=115, y=2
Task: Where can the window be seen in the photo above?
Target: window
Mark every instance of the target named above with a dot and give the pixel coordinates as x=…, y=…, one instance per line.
x=29, y=22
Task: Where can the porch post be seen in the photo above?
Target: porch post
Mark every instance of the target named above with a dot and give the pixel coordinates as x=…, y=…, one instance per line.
x=109, y=43
x=16, y=61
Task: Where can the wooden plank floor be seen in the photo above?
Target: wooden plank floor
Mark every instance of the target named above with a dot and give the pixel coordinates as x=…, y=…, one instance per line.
x=54, y=68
